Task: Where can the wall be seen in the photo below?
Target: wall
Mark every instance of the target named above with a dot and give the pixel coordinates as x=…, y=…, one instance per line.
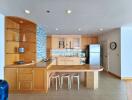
x=114, y=65
x=2, y=51
x=41, y=43
x=126, y=51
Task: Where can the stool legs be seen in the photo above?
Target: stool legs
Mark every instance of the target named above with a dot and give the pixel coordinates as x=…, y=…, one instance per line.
x=78, y=80
x=56, y=78
x=68, y=81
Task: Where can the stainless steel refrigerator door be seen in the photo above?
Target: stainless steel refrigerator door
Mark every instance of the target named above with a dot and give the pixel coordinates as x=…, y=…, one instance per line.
x=94, y=48
x=95, y=58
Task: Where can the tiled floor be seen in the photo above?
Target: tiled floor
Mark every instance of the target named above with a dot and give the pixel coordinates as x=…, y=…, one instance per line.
x=110, y=88
x=129, y=89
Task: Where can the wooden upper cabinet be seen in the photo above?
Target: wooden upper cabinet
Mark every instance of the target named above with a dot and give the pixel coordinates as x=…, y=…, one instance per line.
x=85, y=40
x=11, y=78
x=70, y=41
x=55, y=44
x=94, y=40
x=48, y=42
x=66, y=42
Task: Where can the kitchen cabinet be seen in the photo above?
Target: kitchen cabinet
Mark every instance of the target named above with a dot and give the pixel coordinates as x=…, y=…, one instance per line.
x=38, y=79
x=66, y=42
x=19, y=35
x=11, y=78
x=94, y=40
x=48, y=47
x=86, y=40
x=68, y=60
x=55, y=43
x=25, y=79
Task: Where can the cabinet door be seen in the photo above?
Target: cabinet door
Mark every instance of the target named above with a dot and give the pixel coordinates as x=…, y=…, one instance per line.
x=84, y=42
x=11, y=78
x=25, y=78
x=38, y=79
x=76, y=43
x=48, y=42
x=55, y=43
x=25, y=85
x=94, y=40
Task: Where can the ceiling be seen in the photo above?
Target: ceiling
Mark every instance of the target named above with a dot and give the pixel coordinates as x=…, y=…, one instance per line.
x=88, y=15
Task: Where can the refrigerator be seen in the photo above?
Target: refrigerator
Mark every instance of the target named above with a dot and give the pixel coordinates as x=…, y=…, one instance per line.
x=93, y=54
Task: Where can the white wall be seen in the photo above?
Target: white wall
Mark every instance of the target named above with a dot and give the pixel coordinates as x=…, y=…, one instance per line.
x=126, y=51
x=2, y=51
x=114, y=55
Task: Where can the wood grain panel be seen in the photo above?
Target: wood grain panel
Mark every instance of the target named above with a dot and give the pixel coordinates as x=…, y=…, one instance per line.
x=11, y=47
x=11, y=78
x=15, y=30
x=39, y=81
x=11, y=58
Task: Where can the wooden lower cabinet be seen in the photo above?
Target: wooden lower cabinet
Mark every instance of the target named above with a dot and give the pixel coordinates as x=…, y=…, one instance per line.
x=38, y=79
x=11, y=77
x=26, y=79
x=68, y=60
x=25, y=85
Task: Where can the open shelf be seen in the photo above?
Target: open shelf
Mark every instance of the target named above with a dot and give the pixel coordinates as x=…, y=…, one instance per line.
x=19, y=35
x=23, y=30
x=20, y=41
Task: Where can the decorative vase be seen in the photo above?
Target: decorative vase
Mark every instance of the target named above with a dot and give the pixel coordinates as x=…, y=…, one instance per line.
x=24, y=38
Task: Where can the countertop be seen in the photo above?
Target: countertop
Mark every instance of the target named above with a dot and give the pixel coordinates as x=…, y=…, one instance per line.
x=75, y=68
x=31, y=65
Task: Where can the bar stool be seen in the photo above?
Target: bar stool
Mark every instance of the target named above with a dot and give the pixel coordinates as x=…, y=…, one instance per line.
x=68, y=77
x=77, y=77
x=55, y=76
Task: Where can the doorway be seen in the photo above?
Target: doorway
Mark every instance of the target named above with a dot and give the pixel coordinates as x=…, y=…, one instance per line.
x=105, y=56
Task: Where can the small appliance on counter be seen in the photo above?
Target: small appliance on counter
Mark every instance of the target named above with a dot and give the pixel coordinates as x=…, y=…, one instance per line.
x=20, y=62
x=21, y=50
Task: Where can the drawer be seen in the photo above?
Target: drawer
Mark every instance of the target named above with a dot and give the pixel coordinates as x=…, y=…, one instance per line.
x=25, y=77
x=25, y=70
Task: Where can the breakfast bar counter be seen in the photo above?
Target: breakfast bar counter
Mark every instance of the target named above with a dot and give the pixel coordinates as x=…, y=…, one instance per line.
x=74, y=68
x=91, y=71
x=34, y=77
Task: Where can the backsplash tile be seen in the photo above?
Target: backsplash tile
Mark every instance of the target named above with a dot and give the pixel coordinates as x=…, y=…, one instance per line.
x=41, y=43
x=68, y=52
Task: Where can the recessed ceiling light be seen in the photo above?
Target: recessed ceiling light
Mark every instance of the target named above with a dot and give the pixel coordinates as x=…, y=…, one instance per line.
x=101, y=29
x=48, y=11
x=79, y=29
x=27, y=12
x=68, y=11
x=56, y=29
